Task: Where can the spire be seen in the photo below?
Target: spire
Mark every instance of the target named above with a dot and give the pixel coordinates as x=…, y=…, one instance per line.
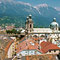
x=27, y=17
x=30, y=16
x=54, y=19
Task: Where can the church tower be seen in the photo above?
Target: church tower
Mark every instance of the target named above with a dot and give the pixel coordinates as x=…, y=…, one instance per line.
x=29, y=24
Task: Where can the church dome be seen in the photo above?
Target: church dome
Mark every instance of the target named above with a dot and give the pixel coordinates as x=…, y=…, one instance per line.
x=54, y=24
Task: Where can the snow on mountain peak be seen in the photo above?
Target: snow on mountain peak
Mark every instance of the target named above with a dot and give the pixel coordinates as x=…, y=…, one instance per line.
x=24, y=3
x=42, y=5
x=57, y=8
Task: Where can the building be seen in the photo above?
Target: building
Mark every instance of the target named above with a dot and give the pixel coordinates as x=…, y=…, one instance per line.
x=32, y=47
x=52, y=33
x=29, y=24
x=5, y=43
x=41, y=57
x=9, y=27
x=49, y=48
x=28, y=47
x=54, y=26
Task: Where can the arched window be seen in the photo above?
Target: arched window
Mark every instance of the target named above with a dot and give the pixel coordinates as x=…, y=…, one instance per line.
x=56, y=26
x=30, y=25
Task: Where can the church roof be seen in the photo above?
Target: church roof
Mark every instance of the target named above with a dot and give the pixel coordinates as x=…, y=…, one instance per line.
x=42, y=30
x=54, y=23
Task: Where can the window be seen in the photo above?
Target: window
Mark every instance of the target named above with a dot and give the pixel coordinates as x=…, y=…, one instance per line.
x=30, y=30
x=31, y=51
x=30, y=25
x=49, y=50
x=54, y=50
x=26, y=52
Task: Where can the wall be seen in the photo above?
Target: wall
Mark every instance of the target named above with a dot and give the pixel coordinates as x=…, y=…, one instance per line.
x=29, y=52
x=52, y=52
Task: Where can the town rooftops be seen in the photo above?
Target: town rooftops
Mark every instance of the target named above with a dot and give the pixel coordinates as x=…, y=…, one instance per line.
x=9, y=27
x=39, y=57
x=5, y=43
x=27, y=45
x=31, y=44
x=46, y=46
x=42, y=57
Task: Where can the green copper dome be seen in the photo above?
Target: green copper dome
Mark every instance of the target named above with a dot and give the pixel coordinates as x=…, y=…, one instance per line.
x=54, y=24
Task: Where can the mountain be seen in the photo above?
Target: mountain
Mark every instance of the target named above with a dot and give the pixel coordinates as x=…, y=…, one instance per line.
x=15, y=12
x=48, y=13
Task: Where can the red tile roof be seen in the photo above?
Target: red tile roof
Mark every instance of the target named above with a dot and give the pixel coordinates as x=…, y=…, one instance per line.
x=27, y=44
x=7, y=47
x=9, y=27
x=46, y=46
x=41, y=57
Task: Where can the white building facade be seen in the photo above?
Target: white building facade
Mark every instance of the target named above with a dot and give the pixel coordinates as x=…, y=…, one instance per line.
x=29, y=52
x=53, y=32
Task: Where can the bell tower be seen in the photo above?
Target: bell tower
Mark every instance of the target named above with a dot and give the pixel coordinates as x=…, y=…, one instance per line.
x=29, y=24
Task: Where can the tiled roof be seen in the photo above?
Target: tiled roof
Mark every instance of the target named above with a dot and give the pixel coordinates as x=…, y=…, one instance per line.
x=27, y=44
x=31, y=44
x=46, y=46
x=5, y=44
x=41, y=57
x=8, y=45
x=9, y=27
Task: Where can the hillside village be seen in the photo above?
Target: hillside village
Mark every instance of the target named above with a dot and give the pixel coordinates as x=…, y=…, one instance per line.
x=30, y=43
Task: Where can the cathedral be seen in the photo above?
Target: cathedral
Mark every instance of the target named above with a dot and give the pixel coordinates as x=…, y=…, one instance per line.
x=52, y=32
x=54, y=27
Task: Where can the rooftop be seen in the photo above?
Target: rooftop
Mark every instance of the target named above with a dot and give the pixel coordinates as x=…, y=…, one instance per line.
x=5, y=43
x=41, y=57
x=31, y=44
x=46, y=46
x=27, y=44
